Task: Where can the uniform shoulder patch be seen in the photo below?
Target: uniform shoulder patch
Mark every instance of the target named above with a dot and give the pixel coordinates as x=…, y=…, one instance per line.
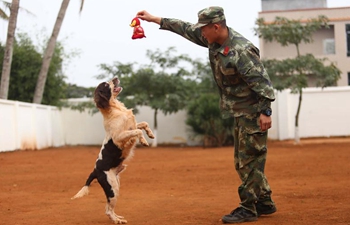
x=226, y=51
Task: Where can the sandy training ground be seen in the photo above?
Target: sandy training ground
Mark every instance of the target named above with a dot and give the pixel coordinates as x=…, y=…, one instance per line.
x=173, y=185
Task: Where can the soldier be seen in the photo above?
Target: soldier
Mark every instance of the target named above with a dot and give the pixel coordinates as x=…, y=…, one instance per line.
x=246, y=95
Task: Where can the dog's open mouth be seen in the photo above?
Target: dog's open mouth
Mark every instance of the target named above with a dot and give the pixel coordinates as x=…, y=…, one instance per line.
x=117, y=89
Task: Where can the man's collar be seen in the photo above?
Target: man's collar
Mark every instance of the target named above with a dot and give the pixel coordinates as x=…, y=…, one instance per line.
x=226, y=46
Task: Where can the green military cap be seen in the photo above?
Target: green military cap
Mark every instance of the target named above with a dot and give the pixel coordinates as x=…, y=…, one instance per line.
x=209, y=15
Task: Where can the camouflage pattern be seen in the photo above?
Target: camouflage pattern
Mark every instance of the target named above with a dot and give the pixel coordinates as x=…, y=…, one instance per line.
x=244, y=85
x=209, y=15
x=250, y=157
x=245, y=89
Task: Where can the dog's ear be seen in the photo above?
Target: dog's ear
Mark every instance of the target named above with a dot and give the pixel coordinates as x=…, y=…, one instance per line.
x=101, y=101
x=102, y=95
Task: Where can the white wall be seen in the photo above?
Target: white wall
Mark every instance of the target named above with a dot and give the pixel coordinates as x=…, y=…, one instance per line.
x=29, y=126
x=324, y=113
x=87, y=129
x=82, y=128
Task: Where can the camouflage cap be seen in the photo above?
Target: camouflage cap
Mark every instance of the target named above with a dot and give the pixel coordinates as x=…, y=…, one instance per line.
x=209, y=15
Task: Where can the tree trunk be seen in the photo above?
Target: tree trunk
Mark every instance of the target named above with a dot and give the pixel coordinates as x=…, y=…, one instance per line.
x=154, y=143
x=6, y=66
x=296, y=137
x=40, y=86
x=296, y=131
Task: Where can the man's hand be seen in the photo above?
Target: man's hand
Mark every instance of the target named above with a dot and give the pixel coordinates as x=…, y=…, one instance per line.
x=265, y=122
x=144, y=15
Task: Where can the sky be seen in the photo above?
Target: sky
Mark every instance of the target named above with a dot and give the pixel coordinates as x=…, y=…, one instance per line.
x=101, y=33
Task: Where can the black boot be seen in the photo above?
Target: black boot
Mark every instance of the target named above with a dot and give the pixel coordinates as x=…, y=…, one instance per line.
x=239, y=215
x=262, y=209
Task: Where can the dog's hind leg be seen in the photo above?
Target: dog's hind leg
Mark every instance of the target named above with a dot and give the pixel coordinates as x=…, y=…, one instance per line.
x=111, y=214
x=85, y=190
x=91, y=177
x=144, y=126
x=110, y=184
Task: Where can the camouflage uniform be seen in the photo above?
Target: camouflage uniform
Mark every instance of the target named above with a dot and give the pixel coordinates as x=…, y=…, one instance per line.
x=245, y=90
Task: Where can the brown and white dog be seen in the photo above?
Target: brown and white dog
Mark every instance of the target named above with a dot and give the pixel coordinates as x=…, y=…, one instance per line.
x=122, y=133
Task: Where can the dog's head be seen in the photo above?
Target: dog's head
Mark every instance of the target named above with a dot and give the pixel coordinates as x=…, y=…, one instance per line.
x=107, y=91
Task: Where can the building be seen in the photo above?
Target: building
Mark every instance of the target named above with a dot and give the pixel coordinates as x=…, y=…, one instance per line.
x=332, y=43
x=273, y=5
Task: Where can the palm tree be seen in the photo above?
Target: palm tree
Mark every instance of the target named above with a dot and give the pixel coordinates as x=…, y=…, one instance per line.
x=3, y=14
x=39, y=89
x=6, y=66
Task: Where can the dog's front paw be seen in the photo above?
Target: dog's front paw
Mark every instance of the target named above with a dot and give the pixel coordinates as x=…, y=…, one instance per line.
x=144, y=141
x=151, y=135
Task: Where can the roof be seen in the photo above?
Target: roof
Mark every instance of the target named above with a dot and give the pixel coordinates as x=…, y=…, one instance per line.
x=299, y=10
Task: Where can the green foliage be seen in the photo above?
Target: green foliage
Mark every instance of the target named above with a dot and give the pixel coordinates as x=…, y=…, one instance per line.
x=204, y=117
x=74, y=91
x=26, y=63
x=204, y=78
x=117, y=69
x=293, y=73
x=158, y=90
x=3, y=14
x=7, y=6
x=287, y=32
x=203, y=111
x=80, y=106
x=166, y=60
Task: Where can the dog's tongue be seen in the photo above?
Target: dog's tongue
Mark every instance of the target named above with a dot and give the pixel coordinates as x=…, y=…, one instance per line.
x=117, y=89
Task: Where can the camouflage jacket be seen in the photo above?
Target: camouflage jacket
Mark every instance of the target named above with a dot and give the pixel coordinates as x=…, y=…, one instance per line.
x=244, y=85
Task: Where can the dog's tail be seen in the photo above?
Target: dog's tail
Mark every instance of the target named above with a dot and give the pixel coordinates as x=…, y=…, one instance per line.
x=85, y=190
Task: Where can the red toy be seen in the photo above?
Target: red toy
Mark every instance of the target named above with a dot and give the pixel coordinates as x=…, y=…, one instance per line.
x=138, y=30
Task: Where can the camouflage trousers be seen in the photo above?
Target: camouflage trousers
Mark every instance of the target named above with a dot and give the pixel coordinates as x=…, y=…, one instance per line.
x=250, y=152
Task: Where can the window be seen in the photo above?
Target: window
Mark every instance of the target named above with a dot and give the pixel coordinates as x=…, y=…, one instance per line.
x=347, y=28
x=328, y=46
x=349, y=78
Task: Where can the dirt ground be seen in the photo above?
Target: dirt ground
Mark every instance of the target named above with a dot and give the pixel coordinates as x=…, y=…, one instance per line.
x=173, y=185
